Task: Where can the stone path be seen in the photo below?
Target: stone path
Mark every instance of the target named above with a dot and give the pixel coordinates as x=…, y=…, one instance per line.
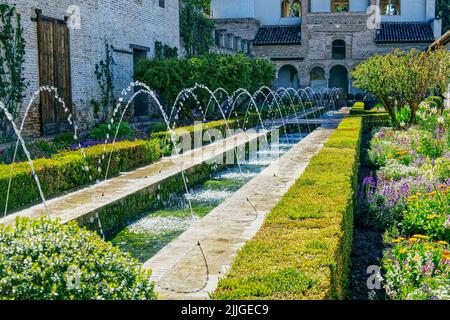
x=82, y=202
x=180, y=271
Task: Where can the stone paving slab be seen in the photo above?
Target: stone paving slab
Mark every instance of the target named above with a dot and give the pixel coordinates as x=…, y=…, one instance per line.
x=179, y=269
x=82, y=202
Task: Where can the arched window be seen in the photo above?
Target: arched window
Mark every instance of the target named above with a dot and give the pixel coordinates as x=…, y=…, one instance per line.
x=338, y=49
x=340, y=5
x=390, y=7
x=291, y=8
x=317, y=78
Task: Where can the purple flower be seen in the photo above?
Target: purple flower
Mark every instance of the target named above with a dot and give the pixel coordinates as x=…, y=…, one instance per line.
x=368, y=180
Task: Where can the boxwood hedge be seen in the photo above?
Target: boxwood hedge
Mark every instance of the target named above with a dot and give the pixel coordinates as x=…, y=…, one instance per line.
x=302, y=251
x=43, y=259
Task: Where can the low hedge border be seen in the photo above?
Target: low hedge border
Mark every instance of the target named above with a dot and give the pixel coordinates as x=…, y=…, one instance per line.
x=250, y=121
x=64, y=171
x=372, y=118
x=302, y=251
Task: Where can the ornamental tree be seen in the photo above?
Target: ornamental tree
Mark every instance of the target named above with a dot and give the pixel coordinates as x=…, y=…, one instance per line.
x=422, y=73
x=378, y=76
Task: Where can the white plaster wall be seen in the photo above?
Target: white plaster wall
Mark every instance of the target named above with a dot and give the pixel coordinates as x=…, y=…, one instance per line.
x=358, y=5
x=227, y=9
x=410, y=11
x=320, y=5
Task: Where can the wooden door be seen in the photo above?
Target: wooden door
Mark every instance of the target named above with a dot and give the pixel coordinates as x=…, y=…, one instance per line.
x=141, y=101
x=54, y=70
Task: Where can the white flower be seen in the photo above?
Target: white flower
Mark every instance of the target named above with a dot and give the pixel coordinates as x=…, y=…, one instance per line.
x=440, y=119
x=402, y=124
x=434, y=110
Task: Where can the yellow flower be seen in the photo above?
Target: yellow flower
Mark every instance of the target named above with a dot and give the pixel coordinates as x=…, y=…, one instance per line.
x=402, y=250
x=432, y=216
x=396, y=241
x=413, y=240
x=389, y=155
x=420, y=236
x=431, y=194
x=444, y=243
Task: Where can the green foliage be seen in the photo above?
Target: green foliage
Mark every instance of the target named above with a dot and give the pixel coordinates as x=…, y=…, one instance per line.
x=196, y=29
x=443, y=10
x=302, y=251
x=427, y=214
x=169, y=76
x=12, y=59
x=102, y=131
x=163, y=51
x=401, y=79
x=105, y=79
x=64, y=171
x=46, y=260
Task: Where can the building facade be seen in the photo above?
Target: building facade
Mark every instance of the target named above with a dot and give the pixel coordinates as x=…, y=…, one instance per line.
x=65, y=39
x=317, y=43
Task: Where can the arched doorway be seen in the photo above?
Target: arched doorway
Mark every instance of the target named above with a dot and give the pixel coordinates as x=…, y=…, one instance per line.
x=288, y=77
x=339, y=78
x=318, y=79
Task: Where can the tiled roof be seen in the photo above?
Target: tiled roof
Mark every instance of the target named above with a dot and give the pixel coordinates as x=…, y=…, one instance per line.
x=392, y=32
x=276, y=35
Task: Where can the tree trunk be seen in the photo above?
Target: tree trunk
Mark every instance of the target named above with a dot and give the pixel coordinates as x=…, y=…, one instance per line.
x=414, y=107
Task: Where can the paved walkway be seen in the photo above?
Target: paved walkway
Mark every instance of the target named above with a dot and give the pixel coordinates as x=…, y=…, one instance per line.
x=186, y=270
x=82, y=202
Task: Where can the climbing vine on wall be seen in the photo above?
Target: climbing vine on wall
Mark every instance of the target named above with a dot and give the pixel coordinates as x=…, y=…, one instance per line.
x=12, y=60
x=196, y=29
x=105, y=79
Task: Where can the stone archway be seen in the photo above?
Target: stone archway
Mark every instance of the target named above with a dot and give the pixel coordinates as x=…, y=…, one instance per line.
x=339, y=78
x=318, y=79
x=288, y=77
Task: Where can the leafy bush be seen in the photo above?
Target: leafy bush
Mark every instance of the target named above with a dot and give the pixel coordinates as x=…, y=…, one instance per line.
x=302, y=251
x=102, y=131
x=417, y=269
x=427, y=214
x=169, y=76
x=65, y=171
x=43, y=259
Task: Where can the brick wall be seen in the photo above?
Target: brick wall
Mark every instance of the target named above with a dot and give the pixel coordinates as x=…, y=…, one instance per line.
x=120, y=22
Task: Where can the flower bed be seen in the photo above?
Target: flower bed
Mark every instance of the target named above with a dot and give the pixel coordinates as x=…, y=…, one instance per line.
x=408, y=196
x=302, y=251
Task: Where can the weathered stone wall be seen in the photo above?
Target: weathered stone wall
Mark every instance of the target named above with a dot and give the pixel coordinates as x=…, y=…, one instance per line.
x=121, y=23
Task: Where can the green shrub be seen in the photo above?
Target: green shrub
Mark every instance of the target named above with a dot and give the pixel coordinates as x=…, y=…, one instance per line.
x=427, y=214
x=231, y=72
x=157, y=127
x=436, y=101
x=221, y=125
x=43, y=259
x=100, y=132
x=64, y=171
x=302, y=251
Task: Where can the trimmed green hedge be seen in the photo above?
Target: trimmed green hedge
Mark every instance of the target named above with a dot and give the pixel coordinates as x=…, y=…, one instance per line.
x=64, y=171
x=302, y=251
x=45, y=260
x=250, y=121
